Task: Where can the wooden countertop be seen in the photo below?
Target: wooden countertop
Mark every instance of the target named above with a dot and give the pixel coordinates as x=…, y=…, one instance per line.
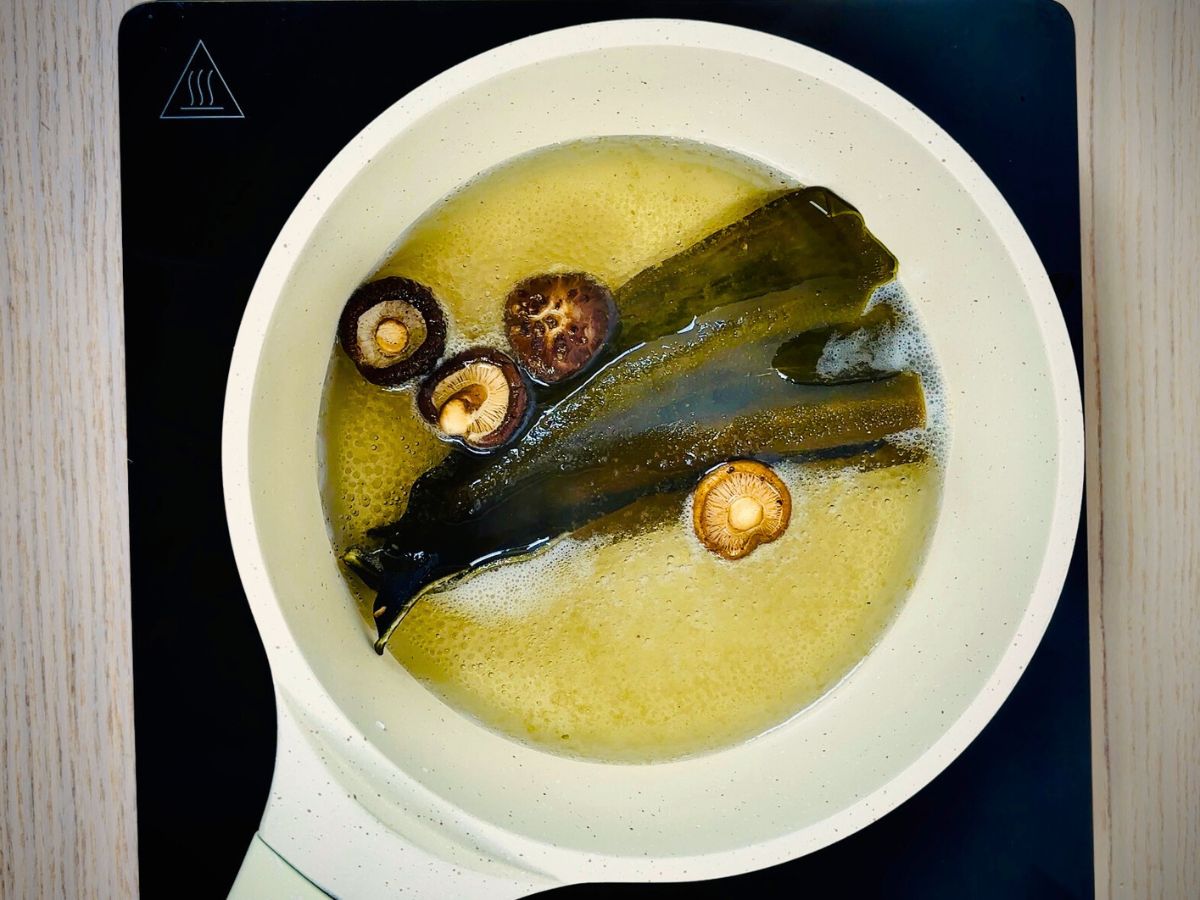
x=67, y=827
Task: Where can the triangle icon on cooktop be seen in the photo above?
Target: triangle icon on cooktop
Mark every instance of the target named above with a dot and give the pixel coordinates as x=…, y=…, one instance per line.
x=200, y=92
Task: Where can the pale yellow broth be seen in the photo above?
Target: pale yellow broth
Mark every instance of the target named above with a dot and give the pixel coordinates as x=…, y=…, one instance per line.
x=631, y=648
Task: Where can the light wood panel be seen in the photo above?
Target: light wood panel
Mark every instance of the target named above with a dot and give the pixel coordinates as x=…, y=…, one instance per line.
x=66, y=727
x=1140, y=142
x=66, y=742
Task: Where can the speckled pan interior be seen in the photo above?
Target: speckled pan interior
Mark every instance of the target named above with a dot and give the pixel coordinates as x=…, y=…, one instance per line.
x=995, y=564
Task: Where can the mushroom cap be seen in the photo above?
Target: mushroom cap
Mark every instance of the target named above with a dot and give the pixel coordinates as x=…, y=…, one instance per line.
x=558, y=323
x=739, y=505
x=393, y=329
x=477, y=399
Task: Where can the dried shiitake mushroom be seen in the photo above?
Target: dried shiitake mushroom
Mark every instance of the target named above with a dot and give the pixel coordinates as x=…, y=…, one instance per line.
x=739, y=505
x=393, y=329
x=558, y=323
x=477, y=399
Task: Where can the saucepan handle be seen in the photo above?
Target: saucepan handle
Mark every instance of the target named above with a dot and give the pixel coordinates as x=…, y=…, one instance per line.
x=265, y=875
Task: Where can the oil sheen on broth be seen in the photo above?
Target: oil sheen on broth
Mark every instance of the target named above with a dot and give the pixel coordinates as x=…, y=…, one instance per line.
x=644, y=646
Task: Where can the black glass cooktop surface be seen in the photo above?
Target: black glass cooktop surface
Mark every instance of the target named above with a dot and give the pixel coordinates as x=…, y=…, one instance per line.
x=228, y=113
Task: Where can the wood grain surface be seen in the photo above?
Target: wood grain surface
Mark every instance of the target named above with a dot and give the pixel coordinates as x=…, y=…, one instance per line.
x=1140, y=149
x=67, y=814
x=66, y=729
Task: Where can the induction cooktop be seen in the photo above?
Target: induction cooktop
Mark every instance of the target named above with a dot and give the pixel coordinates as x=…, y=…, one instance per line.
x=228, y=113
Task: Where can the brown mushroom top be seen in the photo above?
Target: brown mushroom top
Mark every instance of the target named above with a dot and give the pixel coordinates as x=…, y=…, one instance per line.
x=558, y=323
x=476, y=399
x=739, y=505
x=393, y=329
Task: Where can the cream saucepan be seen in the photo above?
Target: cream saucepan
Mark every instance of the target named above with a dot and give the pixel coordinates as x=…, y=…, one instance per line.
x=379, y=782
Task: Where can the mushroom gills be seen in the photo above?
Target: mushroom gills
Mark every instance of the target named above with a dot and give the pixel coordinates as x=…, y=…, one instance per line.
x=473, y=401
x=443, y=536
x=738, y=505
x=476, y=399
x=392, y=329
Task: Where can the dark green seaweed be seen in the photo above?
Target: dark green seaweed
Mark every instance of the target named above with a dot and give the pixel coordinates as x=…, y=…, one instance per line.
x=656, y=510
x=786, y=249
x=685, y=383
x=721, y=365
x=803, y=235
x=443, y=536
x=797, y=359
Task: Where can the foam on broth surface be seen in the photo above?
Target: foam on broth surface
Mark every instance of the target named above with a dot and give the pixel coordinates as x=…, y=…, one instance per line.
x=640, y=647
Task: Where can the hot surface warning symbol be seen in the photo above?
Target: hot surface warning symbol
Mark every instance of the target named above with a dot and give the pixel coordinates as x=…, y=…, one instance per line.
x=201, y=91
